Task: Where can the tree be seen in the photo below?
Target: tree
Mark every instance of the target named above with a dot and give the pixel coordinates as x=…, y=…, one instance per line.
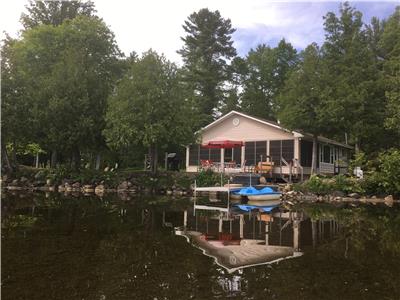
x=302, y=105
x=267, y=70
x=355, y=99
x=208, y=47
x=147, y=108
x=68, y=74
x=390, y=48
x=54, y=12
x=16, y=122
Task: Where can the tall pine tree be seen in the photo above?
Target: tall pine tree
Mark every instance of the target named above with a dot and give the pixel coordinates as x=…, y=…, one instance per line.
x=207, y=50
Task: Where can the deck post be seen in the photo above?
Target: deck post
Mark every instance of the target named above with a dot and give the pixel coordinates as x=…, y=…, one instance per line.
x=242, y=159
x=266, y=233
x=220, y=223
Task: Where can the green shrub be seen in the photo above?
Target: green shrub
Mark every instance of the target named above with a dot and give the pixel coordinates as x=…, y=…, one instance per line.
x=209, y=178
x=317, y=185
x=389, y=171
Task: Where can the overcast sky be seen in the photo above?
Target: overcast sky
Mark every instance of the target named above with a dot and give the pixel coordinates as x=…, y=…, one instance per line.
x=140, y=25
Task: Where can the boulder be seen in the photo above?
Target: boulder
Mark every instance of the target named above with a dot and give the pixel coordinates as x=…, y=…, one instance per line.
x=88, y=188
x=124, y=186
x=49, y=181
x=338, y=194
x=389, y=200
x=4, y=178
x=15, y=182
x=24, y=180
x=99, y=189
x=40, y=175
x=354, y=195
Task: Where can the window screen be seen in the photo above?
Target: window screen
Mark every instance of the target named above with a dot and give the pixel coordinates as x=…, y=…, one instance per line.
x=249, y=153
x=275, y=152
x=288, y=150
x=261, y=150
x=194, y=155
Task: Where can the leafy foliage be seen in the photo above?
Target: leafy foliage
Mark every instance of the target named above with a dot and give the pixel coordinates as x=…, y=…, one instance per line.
x=147, y=107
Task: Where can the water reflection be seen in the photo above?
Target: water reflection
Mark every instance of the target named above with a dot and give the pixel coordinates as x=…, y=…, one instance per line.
x=237, y=239
x=67, y=247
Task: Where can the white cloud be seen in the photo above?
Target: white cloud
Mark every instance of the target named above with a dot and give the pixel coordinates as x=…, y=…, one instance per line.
x=140, y=25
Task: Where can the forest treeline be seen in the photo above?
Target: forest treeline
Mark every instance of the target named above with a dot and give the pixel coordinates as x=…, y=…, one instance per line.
x=69, y=96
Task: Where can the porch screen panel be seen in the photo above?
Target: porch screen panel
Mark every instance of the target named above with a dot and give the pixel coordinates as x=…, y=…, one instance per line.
x=194, y=155
x=275, y=150
x=288, y=150
x=305, y=153
x=261, y=149
x=249, y=153
x=237, y=155
x=215, y=155
x=204, y=153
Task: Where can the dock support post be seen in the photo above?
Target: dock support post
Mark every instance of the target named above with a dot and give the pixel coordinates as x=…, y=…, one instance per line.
x=195, y=196
x=241, y=223
x=185, y=218
x=296, y=234
x=266, y=233
x=220, y=223
x=314, y=233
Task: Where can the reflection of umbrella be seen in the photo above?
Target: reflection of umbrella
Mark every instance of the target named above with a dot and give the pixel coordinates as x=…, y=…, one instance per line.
x=223, y=144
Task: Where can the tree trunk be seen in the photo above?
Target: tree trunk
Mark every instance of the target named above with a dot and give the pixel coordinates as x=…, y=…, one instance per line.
x=14, y=156
x=37, y=160
x=76, y=158
x=5, y=159
x=314, y=155
x=155, y=159
x=53, y=162
x=357, y=146
x=153, y=153
x=98, y=161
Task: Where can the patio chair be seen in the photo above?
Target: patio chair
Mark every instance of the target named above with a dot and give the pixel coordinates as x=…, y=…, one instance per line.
x=264, y=167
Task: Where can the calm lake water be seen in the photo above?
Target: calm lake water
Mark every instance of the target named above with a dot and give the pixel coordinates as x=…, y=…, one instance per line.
x=86, y=247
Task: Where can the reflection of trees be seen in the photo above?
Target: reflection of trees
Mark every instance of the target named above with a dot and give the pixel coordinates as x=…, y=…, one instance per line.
x=365, y=226
x=81, y=249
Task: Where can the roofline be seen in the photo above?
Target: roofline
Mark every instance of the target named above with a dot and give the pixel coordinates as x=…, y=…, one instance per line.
x=245, y=116
x=295, y=133
x=326, y=140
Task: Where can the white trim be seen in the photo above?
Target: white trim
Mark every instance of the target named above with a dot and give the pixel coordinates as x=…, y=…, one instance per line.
x=248, y=117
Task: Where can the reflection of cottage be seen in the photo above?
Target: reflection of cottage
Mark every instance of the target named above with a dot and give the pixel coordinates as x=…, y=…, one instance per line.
x=289, y=152
x=238, y=240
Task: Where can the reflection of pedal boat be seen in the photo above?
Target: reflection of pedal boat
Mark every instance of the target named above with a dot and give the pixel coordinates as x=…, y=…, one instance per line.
x=264, y=194
x=262, y=208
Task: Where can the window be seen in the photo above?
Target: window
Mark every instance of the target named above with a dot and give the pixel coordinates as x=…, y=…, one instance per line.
x=327, y=154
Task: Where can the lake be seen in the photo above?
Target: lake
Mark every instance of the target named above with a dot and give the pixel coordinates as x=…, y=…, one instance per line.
x=57, y=246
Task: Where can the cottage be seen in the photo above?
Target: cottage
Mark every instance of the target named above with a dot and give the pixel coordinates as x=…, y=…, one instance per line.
x=237, y=142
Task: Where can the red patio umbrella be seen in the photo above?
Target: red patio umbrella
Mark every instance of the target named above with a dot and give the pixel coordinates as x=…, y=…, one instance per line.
x=223, y=144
